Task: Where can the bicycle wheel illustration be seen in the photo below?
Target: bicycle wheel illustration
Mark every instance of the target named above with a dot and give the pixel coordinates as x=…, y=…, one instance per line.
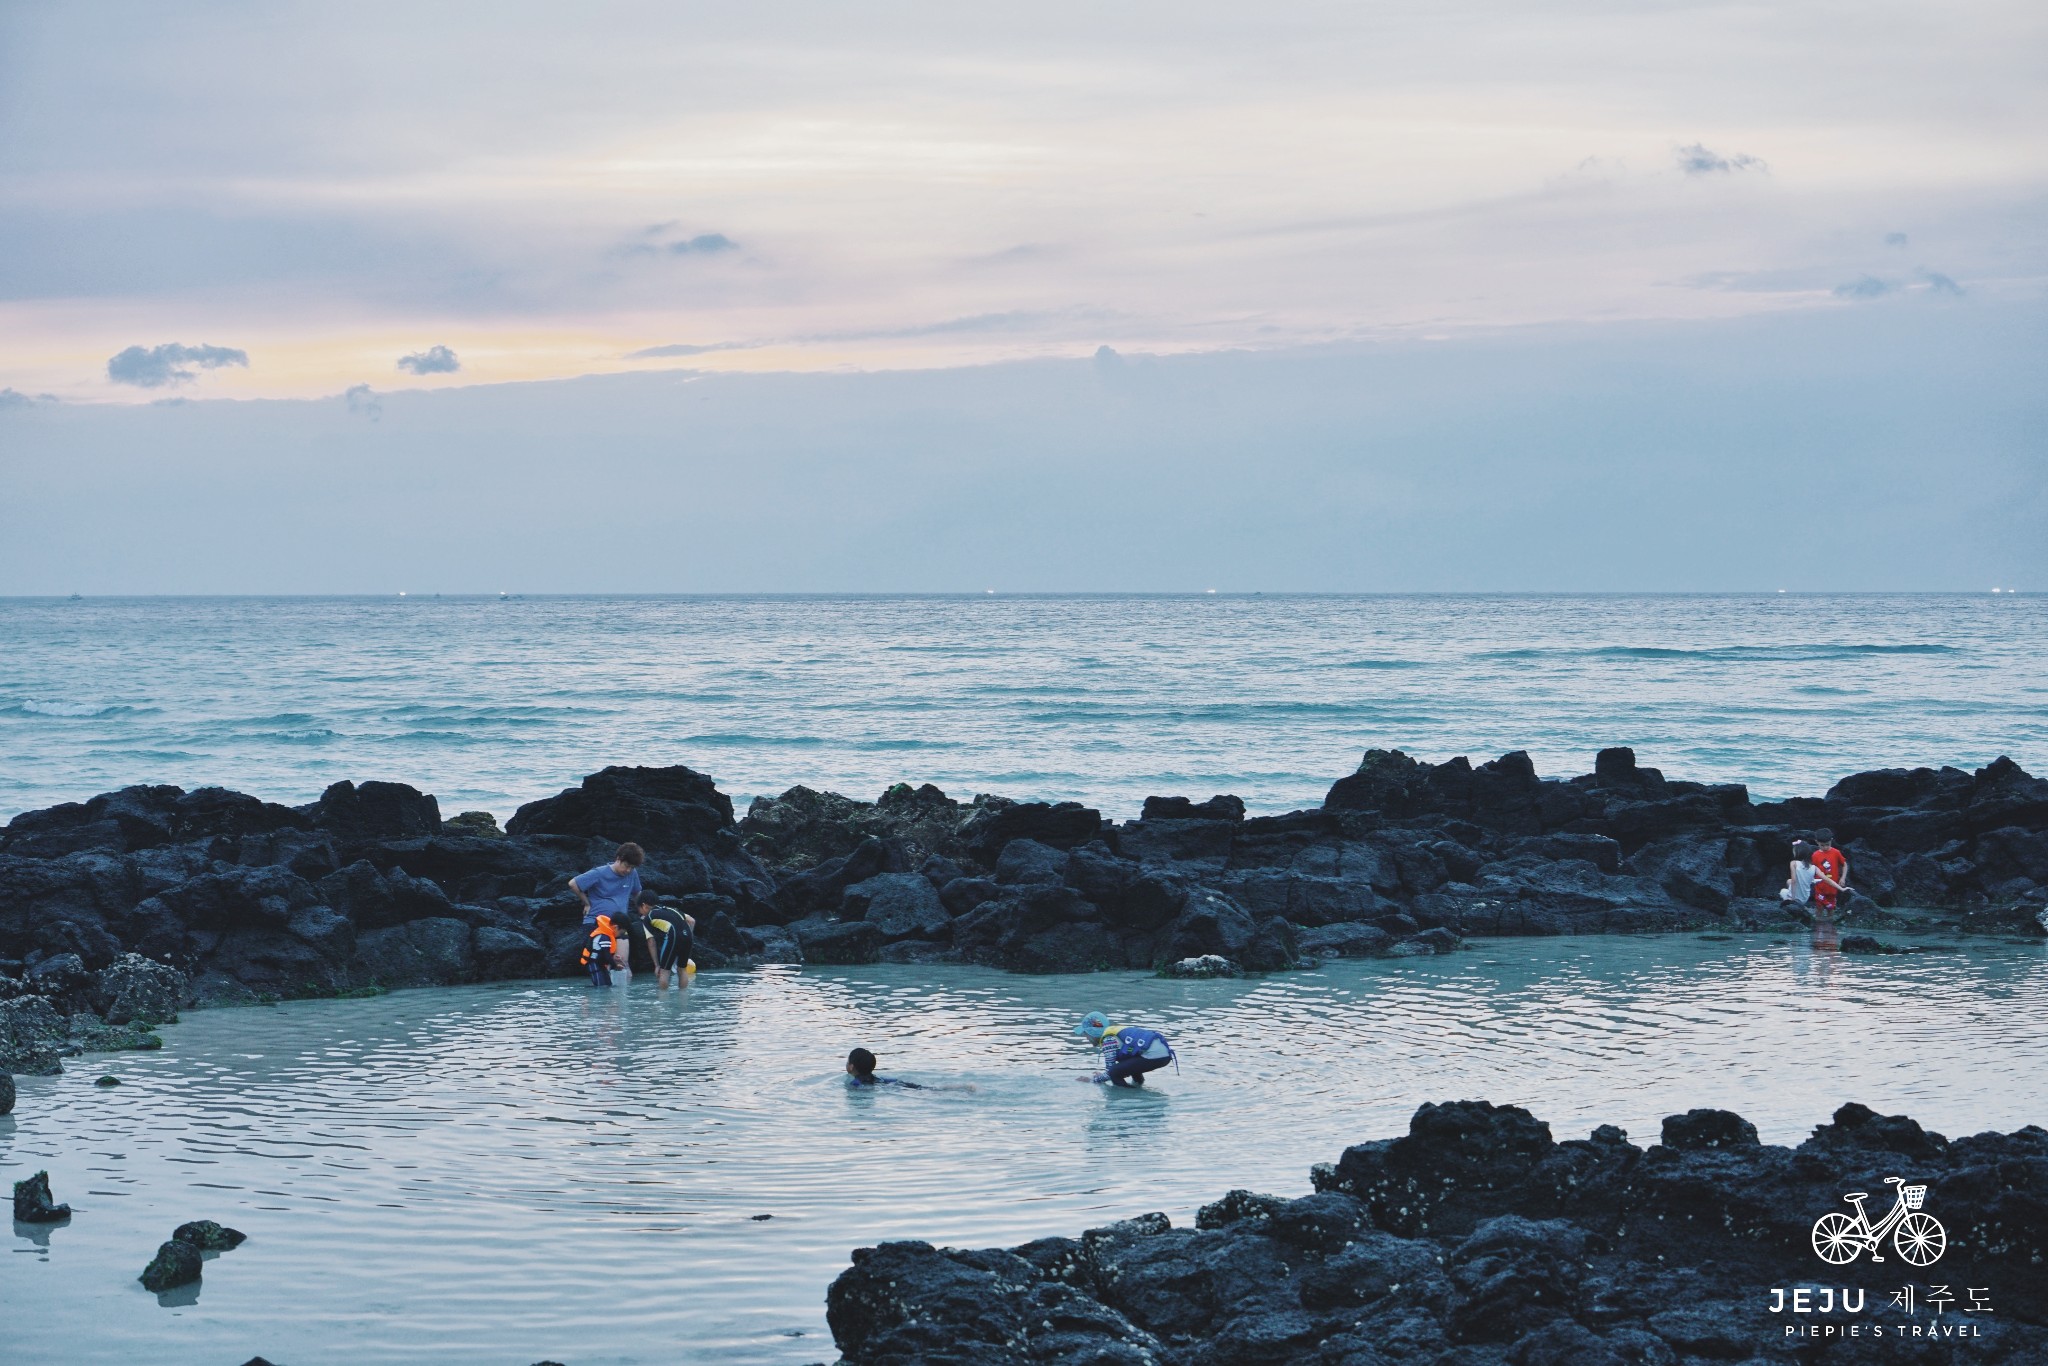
x=1835, y=1238
x=1921, y=1239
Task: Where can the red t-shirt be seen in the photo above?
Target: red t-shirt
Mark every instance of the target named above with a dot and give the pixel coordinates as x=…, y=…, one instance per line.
x=1831, y=863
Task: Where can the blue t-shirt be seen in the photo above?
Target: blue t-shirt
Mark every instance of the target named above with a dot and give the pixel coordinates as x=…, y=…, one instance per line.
x=609, y=893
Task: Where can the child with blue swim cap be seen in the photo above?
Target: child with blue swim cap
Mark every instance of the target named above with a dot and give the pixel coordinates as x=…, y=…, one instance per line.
x=1128, y=1052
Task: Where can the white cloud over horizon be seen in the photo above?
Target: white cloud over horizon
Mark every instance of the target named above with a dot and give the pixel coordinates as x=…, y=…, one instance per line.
x=812, y=188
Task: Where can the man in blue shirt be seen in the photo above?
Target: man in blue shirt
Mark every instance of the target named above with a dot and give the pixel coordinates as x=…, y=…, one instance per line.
x=611, y=889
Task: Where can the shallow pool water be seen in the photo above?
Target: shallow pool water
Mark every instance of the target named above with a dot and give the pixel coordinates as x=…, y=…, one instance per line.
x=514, y=1172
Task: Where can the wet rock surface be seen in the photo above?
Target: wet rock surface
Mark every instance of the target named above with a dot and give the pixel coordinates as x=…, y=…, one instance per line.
x=1477, y=1239
x=33, y=1203
x=208, y=1236
x=175, y=1264
x=118, y=911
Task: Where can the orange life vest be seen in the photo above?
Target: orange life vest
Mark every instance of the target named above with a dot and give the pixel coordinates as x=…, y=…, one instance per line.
x=601, y=931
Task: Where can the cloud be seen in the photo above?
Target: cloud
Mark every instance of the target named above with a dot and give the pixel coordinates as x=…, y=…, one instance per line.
x=688, y=349
x=362, y=399
x=1864, y=287
x=1939, y=283
x=435, y=360
x=703, y=243
x=1016, y=320
x=1698, y=159
x=1022, y=252
x=1896, y=239
x=14, y=398
x=659, y=240
x=154, y=367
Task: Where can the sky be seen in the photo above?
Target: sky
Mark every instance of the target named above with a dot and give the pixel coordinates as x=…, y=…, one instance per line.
x=1280, y=277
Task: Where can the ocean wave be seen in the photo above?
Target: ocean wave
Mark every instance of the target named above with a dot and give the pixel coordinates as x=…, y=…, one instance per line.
x=73, y=711
x=1760, y=652
x=317, y=735
x=749, y=741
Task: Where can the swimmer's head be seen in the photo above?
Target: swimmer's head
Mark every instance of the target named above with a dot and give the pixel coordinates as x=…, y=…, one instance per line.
x=1092, y=1025
x=860, y=1063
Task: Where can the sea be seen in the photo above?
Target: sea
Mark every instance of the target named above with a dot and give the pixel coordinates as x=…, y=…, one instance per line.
x=490, y=702
x=521, y=1171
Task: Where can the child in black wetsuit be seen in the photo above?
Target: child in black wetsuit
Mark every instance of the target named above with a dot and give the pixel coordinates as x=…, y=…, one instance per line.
x=860, y=1071
x=670, y=935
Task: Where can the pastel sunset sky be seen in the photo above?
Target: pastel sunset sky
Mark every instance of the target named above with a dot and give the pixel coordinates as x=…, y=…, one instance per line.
x=341, y=204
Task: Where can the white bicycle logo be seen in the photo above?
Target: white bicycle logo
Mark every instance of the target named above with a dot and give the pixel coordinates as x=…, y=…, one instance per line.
x=1917, y=1237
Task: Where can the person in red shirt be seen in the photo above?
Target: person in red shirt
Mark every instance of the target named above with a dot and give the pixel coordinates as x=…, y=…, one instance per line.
x=1830, y=874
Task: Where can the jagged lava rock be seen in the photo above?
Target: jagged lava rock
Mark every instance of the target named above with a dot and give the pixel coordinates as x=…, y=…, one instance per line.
x=370, y=887
x=175, y=1264
x=1477, y=1239
x=208, y=1236
x=33, y=1203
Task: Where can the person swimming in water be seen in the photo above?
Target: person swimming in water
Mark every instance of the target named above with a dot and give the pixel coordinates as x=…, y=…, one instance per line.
x=860, y=1071
x=1128, y=1052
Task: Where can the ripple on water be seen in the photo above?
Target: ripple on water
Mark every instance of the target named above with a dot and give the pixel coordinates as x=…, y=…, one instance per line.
x=449, y=1173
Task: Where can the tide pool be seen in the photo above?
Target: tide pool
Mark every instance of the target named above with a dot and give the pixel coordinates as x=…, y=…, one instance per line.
x=521, y=1171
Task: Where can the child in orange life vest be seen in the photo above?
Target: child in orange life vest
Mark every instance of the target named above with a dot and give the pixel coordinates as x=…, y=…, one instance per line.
x=602, y=951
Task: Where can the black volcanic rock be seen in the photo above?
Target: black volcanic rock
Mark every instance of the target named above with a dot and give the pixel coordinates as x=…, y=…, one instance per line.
x=803, y=828
x=1476, y=1238
x=1058, y=825
x=1701, y=1129
x=208, y=1236
x=898, y=905
x=367, y=886
x=1222, y=807
x=33, y=1203
x=138, y=990
x=136, y=818
x=838, y=941
x=375, y=810
x=657, y=808
x=175, y=1264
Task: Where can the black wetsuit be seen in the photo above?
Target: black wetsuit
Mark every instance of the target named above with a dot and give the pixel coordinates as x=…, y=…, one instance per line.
x=672, y=939
x=872, y=1080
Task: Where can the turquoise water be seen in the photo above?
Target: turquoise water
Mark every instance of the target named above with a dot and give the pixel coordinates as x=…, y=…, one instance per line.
x=492, y=703
x=518, y=1171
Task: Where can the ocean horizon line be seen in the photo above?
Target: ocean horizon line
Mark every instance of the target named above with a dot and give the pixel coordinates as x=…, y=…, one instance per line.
x=969, y=595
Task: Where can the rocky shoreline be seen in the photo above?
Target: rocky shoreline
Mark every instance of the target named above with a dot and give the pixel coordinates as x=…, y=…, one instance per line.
x=116, y=911
x=1476, y=1239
